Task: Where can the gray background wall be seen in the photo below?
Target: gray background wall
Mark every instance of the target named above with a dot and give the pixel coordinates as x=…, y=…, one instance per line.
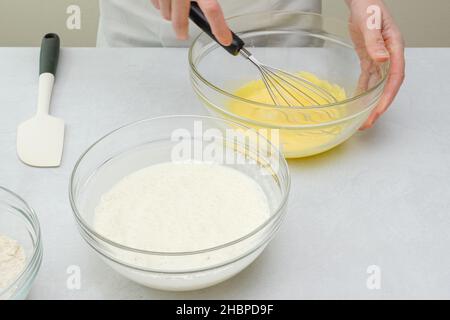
x=23, y=22
x=425, y=23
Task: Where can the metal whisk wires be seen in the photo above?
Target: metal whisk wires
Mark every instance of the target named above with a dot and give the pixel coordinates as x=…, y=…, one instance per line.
x=288, y=89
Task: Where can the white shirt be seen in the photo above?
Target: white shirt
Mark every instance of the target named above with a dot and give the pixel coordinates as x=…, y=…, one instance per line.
x=136, y=23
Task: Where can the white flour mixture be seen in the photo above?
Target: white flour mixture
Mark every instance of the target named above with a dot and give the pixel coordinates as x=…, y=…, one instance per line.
x=12, y=261
x=181, y=207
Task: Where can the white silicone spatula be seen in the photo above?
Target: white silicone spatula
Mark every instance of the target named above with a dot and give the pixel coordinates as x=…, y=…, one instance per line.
x=40, y=140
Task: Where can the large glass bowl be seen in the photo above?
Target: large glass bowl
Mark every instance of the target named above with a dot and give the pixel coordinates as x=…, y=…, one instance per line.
x=19, y=222
x=153, y=141
x=292, y=41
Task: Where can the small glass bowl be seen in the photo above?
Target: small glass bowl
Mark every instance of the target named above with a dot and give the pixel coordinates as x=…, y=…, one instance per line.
x=19, y=222
x=295, y=42
x=150, y=142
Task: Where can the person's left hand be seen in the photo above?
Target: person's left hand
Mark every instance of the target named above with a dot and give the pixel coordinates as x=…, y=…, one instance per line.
x=377, y=45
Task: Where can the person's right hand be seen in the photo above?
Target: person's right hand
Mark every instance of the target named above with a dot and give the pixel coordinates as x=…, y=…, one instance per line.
x=177, y=11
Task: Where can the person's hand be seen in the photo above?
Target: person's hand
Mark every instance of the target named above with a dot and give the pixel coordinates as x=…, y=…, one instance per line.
x=377, y=45
x=177, y=11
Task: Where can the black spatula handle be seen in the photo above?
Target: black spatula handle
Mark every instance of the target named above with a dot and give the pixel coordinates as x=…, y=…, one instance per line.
x=198, y=17
x=49, y=54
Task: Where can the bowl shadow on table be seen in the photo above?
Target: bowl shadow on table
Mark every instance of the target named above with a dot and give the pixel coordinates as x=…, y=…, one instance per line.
x=358, y=142
x=319, y=160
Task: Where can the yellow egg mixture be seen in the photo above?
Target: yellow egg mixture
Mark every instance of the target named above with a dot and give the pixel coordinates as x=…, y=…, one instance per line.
x=296, y=142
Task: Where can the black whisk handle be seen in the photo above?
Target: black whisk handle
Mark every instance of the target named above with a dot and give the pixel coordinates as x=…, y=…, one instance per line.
x=198, y=17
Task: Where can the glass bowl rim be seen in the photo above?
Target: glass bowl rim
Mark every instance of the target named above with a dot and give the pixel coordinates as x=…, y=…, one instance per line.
x=385, y=65
x=279, y=212
x=33, y=265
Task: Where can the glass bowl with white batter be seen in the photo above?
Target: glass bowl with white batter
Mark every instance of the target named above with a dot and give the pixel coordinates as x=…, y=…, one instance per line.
x=20, y=246
x=180, y=202
x=319, y=48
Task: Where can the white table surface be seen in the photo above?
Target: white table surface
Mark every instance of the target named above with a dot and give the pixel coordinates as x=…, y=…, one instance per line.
x=382, y=198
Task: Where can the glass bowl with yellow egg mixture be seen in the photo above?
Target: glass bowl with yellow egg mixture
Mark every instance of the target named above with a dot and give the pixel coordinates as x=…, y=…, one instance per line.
x=319, y=49
x=180, y=202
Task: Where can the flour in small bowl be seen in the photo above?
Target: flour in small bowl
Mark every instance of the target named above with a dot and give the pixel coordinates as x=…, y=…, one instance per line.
x=172, y=207
x=12, y=261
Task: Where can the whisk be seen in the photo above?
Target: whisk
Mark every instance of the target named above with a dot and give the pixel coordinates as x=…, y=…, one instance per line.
x=284, y=88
